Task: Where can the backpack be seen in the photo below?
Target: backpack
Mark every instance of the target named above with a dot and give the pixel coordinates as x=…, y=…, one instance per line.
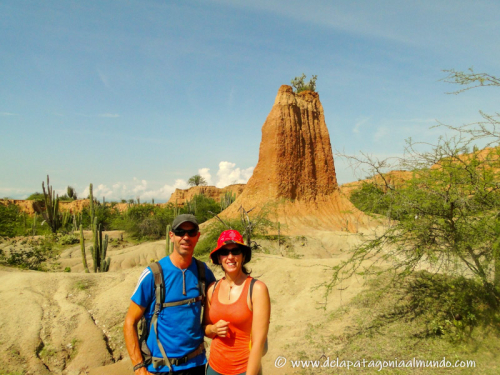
x=252, y=282
x=144, y=329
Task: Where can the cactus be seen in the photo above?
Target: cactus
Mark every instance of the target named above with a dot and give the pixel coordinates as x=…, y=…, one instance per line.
x=226, y=200
x=33, y=226
x=176, y=209
x=82, y=246
x=169, y=245
x=99, y=249
x=51, y=213
x=92, y=210
x=77, y=220
x=65, y=219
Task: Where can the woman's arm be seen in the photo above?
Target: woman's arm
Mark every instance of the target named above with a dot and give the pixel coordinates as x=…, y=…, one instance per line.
x=260, y=326
x=211, y=330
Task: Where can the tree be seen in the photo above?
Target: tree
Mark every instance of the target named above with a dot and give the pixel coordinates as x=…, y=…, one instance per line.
x=447, y=213
x=299, y=85
x=71, y=193
x=197, y=180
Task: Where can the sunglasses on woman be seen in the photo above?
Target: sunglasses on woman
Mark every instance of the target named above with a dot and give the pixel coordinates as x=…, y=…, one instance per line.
x=225, y=252
x=182, y=232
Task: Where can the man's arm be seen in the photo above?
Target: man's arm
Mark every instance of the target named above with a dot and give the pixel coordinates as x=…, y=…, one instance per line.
x=134, y=314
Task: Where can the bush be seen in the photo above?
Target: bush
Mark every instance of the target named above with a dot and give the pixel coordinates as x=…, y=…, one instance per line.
x=299, y=85
x=31, y=258
x=69, y=239
x=8, y=220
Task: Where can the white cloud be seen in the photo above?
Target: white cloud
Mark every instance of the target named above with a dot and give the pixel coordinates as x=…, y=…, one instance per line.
x=360, y=122
x=137, y=188
x=7, y=114
x=228, y=174
x=204, y=172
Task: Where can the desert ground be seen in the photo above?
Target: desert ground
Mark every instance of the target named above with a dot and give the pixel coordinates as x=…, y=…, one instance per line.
x=71, y=322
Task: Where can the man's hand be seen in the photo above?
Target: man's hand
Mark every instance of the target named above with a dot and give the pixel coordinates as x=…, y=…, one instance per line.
x=220, y=328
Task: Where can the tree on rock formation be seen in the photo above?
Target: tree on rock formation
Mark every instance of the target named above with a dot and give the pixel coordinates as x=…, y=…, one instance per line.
x=197, y=180
x=299, y=85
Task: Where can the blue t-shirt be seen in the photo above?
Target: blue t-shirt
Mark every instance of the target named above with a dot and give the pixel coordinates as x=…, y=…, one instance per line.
x=179, y=327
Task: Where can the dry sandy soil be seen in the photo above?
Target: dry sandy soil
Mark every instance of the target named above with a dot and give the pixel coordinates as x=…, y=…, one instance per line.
x=71, y=323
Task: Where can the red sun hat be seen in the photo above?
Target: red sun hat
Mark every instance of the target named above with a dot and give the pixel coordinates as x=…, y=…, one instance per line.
x=227, y=237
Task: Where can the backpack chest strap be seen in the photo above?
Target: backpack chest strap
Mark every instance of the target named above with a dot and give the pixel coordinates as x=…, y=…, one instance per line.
x=183, y=302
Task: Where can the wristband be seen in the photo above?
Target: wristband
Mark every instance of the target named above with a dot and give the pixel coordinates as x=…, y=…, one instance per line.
x=139, y=365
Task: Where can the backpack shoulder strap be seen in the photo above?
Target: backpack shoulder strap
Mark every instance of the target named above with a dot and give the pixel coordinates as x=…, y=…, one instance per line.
x=159, y=285
x=252, y=282
x=202, y=279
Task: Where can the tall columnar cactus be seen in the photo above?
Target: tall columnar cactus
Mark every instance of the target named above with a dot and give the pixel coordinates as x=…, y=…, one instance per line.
x=227, y=199
x=82, y=247
x=66, y=217
x=176, y=209
x=51, y=213
x=99, y=249
x=169, y=245
x=33, y=226
x=92, y=210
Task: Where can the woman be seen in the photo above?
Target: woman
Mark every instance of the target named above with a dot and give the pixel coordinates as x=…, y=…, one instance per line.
x=237, y=323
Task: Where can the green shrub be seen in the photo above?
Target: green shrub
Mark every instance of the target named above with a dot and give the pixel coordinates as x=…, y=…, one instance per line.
x=69, y=239
x=9, y=215
x=32, y=258
x=36, y=197
x=299, y=85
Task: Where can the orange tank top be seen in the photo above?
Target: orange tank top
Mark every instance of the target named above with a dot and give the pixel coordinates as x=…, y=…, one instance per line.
x=229, y=355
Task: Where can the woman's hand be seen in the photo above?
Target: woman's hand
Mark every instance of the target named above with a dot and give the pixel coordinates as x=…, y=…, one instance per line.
x=220, y=328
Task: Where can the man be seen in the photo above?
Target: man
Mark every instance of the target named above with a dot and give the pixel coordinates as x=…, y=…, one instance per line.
x=180, y=334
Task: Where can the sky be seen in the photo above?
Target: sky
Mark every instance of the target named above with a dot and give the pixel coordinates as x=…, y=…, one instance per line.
x=138, y=96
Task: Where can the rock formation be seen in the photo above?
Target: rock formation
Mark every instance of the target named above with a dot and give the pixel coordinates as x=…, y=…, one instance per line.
x=180, y=196
x=295, y=173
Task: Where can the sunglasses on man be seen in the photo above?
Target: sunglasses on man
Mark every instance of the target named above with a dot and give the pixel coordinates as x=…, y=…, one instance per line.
x=225, y=252
x=182, y=232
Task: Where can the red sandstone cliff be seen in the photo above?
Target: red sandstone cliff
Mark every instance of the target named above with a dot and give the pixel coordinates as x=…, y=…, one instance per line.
x=295, y=173
x=180, y=196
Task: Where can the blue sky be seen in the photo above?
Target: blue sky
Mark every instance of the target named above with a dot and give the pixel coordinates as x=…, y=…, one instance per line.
x=137, y=96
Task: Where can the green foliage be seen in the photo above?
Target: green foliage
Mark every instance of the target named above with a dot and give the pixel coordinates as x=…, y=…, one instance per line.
x=33, y=257
x=36, y=197
x=197, y=180
x=448, y=219
x=51, y=214
x=226, y=200
x=9, y=215
x=201, y=206
x=71, y=192
x=299, y=85
x=68, y=239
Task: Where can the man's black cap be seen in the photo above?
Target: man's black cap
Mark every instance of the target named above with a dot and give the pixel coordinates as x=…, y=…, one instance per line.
x=184, y=218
